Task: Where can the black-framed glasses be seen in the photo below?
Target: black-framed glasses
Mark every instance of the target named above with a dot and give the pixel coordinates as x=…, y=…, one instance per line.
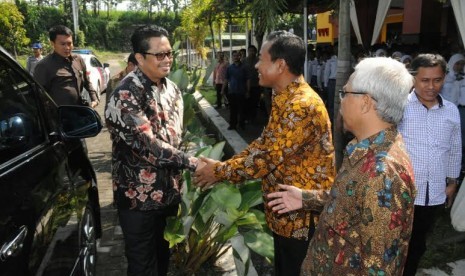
x=342, y=94
x=161, y=56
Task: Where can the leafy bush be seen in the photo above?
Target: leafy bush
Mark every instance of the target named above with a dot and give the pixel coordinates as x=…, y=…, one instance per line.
x=211, y=219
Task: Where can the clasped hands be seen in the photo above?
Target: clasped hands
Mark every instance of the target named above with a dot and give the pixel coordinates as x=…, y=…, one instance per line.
x=204, y=175
x=289, y=198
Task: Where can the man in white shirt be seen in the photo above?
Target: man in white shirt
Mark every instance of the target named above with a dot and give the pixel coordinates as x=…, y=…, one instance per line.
x=431, y=131
x=330, y=81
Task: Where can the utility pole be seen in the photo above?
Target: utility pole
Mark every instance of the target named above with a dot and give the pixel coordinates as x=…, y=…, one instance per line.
x=75, y=9
x=343, y=71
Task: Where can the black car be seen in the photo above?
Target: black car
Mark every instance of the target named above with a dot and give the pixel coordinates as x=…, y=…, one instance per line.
x=49, y=207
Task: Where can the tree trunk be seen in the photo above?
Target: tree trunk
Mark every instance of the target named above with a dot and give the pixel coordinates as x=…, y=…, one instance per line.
x=343, y=72
x=212, y=33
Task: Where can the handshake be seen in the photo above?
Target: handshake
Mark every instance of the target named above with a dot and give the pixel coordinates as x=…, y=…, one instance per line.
x=204, y=175
x=287, y=198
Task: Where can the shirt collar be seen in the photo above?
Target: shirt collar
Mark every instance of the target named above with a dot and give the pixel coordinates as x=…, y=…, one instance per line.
x=358, y=150
x=291, y=86
x=413, y=98
x=59, y=57
x=146, y=81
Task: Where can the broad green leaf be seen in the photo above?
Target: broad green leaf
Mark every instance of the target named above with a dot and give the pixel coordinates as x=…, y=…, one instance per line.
x=259, y=215
x=252, y=195
x=205, y=151
x=181, y=78
x=209, y=70
x=226, y=218
x=248, y=219
x=242, y=258
x=227, y=196
x=260, y=242
x=199, y=200
x=187, y=224
x=226, y=234
x=173, y=231
x=209, y=207
x=217, y=151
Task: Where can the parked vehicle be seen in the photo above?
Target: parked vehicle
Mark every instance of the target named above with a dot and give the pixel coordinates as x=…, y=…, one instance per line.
x=49, y=207
x=99, y=74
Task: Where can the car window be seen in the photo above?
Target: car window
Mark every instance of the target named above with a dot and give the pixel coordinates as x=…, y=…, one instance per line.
x=95, y=62
x=20, y=127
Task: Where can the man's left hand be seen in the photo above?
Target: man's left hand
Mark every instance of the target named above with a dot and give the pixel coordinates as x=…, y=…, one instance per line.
x=450, y=193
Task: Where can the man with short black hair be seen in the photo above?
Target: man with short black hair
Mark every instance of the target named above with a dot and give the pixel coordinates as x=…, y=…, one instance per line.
x=62, y=73
x=295, y=148
x=144, y=116
x=431, y=130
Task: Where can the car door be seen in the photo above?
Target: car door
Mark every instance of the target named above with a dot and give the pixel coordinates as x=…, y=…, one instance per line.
x=97, y=65
x=36, y=185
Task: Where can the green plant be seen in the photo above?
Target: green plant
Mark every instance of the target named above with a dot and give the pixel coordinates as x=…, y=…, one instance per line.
x=211, y=219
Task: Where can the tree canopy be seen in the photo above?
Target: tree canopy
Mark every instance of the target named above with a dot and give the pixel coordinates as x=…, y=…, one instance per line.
x=12, y=32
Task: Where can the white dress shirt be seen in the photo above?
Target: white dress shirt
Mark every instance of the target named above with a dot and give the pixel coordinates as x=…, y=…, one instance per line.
x=330, y=70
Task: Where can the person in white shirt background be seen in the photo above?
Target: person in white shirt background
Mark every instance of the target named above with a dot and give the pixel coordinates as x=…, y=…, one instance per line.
x=431, y=131
x=330, y=80
x=454, y=91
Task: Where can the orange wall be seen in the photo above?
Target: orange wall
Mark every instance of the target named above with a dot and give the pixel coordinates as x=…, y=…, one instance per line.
x=325, y=31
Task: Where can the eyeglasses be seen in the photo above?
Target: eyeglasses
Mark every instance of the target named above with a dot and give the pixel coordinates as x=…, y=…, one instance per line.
x=161, y=56
x=342, y=94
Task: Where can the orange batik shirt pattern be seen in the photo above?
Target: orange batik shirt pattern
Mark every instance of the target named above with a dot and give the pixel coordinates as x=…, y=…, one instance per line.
x=295, y=148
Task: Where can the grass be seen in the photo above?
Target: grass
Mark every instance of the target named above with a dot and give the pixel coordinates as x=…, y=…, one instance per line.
x=209, y=93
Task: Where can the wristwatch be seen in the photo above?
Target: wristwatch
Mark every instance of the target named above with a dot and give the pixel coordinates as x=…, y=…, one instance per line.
x=450, y=180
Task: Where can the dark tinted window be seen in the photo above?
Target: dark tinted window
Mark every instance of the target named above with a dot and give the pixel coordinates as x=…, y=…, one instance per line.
x=95, y=63
x=20, y=127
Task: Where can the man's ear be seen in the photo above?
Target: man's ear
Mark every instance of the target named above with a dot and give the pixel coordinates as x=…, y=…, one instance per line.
x=281, y=65
x=368, y=103
x=139, y=57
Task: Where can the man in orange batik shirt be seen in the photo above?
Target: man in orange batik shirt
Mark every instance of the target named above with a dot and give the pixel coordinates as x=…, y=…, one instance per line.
x=295, y=148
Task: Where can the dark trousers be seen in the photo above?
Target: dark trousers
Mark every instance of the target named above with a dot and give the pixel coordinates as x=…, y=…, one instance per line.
x=236, y=109
x=423, y=221
x=147, y=252
x=289, y=254
x=330, y=103
x=252, y=102
x=219, y=95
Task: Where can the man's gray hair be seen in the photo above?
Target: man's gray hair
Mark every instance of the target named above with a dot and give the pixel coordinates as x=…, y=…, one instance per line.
x=388, y=82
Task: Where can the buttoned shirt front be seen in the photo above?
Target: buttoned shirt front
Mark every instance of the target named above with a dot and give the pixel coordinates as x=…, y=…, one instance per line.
x=365, y=227
x=145, y=123
x=433, y=140
x=219, y=74
x=295, y=148
x=330, y=70
x=64, y=78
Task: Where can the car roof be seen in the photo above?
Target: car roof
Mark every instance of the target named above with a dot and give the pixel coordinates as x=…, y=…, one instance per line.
x=82, y=51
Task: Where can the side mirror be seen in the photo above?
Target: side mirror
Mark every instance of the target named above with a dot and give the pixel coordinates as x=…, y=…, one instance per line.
x=79, y=121
x=106, y=65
